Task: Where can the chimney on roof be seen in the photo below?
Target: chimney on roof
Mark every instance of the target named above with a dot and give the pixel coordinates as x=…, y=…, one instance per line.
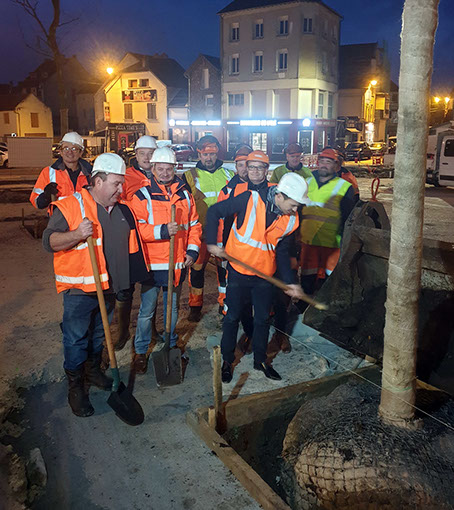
x=143, y=61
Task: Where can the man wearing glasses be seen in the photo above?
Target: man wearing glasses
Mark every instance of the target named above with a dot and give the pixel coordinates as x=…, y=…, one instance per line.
x=70, y=173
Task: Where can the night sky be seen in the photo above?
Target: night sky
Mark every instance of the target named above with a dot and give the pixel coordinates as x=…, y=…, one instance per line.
x=184, y=28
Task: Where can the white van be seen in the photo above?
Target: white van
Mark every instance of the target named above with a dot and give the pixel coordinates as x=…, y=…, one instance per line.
x=440, y=159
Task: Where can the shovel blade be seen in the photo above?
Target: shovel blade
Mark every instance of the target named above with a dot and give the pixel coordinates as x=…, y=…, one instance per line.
x=126, y=406
x=167, y=367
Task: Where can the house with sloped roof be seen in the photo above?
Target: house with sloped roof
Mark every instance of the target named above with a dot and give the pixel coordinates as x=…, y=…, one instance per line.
x=204, y=76
x=141, y=96
x=24, y=115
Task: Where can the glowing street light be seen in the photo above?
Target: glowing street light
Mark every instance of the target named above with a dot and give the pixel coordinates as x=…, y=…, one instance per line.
x=437, y=99
x=109, y=70
x=447, y=99
x=373, y=83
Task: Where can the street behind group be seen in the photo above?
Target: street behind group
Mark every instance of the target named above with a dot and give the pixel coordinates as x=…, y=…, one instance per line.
x=289, y=227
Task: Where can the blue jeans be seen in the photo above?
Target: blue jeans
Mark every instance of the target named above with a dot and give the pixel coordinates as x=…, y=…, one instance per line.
x=82, y=328
x=148, y=303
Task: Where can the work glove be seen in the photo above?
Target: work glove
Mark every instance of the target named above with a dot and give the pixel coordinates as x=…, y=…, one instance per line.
x=49, y=190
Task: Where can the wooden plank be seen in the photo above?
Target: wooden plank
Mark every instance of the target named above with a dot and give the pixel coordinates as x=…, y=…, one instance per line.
x=250, y=480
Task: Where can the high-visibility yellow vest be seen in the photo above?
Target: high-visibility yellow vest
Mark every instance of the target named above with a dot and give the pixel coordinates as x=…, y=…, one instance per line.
x=206, y=186
x=322, y=217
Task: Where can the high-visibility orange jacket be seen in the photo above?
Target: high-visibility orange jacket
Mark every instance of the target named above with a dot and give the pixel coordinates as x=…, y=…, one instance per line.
x=57, y=173
x=253, y=242
x=152, y=207
x=237, y=186
x=73, y=267
x=134, y=180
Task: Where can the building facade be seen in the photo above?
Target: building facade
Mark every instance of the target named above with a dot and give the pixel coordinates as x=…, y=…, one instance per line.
x=143, y=94
x=280, y=73
x=204, y=80
x=24, y=115
x=364, y=93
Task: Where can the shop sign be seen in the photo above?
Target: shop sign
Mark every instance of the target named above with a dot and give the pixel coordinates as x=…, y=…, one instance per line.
x=107, y=112
x=144, y=95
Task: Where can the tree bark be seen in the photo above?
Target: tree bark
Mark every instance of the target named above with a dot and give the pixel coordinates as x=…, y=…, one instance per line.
x=419, y=24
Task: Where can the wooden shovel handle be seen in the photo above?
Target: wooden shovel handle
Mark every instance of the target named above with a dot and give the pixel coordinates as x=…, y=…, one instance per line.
x=102, y=303
x=171, y=268
x=278, y=283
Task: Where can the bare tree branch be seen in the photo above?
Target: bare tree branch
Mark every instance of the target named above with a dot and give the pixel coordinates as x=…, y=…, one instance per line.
x=68, y=22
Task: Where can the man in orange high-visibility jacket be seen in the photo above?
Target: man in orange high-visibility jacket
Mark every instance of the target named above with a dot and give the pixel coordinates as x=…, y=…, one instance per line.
x=92, y=212
x=68, y=174
x=265, y=216
x=152, y=207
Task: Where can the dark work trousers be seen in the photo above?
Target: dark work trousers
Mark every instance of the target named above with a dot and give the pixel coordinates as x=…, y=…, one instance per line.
x=280, y=305
x=241, y=290
x=125, y=295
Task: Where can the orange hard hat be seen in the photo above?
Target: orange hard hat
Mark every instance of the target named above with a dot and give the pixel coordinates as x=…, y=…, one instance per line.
x=258, y=156
x=330, y=154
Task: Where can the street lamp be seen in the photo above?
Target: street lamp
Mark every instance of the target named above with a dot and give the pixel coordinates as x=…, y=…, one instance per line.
x=109, y=70
x=437, y=99
x=373, y=83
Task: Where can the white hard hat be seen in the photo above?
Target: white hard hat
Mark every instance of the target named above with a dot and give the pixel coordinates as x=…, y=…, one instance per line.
x=109, y=163
x=294, y=186
x=146, y=142
x=73, y=137
x=164, y=155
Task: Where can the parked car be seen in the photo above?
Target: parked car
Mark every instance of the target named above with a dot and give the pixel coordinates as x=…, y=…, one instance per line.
x=3, y=157
x=358, y=150
x=378, y=148
x=56, y=150
x=184, y=152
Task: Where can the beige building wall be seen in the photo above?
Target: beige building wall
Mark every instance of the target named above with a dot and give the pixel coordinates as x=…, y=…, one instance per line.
x=351, y=103
x=312, y=61
x=114, y=96
x=34, y=118
x=8, y=123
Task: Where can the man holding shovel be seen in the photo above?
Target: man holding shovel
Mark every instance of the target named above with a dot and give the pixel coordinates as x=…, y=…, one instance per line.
x=264, y=218
x=152, y=207
x=92, y=212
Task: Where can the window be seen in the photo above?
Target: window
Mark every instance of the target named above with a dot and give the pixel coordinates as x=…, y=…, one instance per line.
x=449, y=148
x=324, y=63
x=34, y=119
x=6, y=118
x=282, y=60
x=330, y=105
x=283, y=25
x=325, y=28
x=321, y=99
x=132, y=84
x=235, y=32
x=236, y=99
x=205, y=78
x=258, y=62
x=258, y=29
x=128, y=111
x=209, y=100
x=307, y=25
x=151, y=111
x=143, y=82
x=235, y=64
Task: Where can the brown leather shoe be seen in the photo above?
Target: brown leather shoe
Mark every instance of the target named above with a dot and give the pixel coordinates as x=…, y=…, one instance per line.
x=140, y=363
x=286, y=346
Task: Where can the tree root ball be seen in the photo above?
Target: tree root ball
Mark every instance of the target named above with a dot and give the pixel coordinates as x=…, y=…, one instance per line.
x=338, y=454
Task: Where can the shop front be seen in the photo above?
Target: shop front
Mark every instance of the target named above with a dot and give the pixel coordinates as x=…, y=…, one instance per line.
x=122, y=136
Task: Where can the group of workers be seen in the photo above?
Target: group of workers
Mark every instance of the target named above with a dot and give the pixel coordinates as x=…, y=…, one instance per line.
x=291, y=223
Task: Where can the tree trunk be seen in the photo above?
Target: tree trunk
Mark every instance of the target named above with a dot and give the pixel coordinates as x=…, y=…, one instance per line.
x=404, y=275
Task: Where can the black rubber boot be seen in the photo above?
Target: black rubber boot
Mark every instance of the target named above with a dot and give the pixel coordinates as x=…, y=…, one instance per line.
x=195, y=313
x=77, y=394
x=93, y=373
x=123, y=309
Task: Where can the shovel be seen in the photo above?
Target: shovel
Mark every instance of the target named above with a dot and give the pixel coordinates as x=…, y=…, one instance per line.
x=121, y=400
x=274, y=281
x=167, y=361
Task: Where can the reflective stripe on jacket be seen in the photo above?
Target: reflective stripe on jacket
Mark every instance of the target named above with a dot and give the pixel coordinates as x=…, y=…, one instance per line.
x=63, y=180
x=321, y=219
x=281, y=170
x=255, y=244
x=206, y=187
x=152, y=207
x=73, y=267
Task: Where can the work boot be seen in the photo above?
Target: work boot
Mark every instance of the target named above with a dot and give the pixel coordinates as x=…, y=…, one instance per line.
x=140, y=363
x=93, y=373
x=195, y=314
x=226, y=372
x=286, y=346
x=268, y=370
x=158, y=338
x=77, y=394
x=123, y=309
x=245, y=344
x=281, y=341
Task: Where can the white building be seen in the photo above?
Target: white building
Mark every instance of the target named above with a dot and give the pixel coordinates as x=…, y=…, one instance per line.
x=143, y=94
x=280, y=73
